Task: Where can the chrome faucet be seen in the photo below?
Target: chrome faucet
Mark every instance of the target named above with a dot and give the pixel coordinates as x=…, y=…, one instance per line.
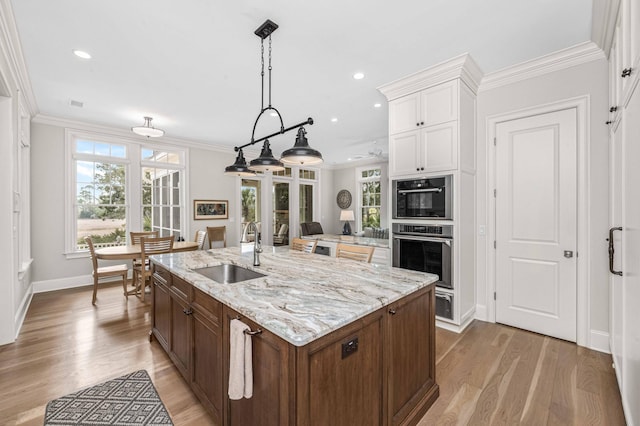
x=257, y=246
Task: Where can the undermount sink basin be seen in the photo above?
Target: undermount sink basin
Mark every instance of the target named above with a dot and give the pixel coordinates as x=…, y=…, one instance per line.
x=228, y=273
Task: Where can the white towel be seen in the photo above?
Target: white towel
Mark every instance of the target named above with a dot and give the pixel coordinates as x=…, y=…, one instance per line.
x=240, y=362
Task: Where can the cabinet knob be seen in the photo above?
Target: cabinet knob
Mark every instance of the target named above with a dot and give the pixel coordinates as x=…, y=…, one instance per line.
x=421, y=168
x=392, y=311
x=187, y=311
x=626, y=72
x=608, y=122
x=417, y=124
x=422, y=123
x=613, y=109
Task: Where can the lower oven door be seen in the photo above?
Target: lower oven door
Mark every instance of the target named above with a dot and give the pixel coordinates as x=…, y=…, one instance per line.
x=431, y=255
x=444, y=305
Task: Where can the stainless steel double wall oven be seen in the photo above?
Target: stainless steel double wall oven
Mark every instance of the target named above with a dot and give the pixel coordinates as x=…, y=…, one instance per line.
x=424, y=246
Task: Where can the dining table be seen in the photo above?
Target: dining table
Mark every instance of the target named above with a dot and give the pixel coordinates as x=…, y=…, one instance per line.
x=134, y=251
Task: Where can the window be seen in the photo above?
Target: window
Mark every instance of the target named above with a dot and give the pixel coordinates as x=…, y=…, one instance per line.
x=161, y=192
x=116, y=186
x=100, y=193
x=283, y=173
x=370, y=197
x=250, y=205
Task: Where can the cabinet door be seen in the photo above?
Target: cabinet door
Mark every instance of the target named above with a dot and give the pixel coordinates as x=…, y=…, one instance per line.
x=273, y=369
x=206, y=363
x=404, y=113
x=439, y=104
x=440, y=147
x=411, y=346
x=180, y=342
x=161, y=313
x=404, y=153
x=344, y=376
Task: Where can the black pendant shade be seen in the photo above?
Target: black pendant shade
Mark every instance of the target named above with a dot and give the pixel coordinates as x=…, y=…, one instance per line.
x=301, y=153
x=266, y=162
x=239, y=168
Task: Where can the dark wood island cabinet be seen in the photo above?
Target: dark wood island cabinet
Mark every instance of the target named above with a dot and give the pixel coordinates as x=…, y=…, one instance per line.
x=378, y=369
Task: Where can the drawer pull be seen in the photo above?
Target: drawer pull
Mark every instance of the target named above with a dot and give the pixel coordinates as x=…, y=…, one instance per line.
x=187, y=311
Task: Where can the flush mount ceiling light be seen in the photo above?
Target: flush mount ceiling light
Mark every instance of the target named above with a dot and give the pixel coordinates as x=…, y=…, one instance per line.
x=147, y=129
x=301, y=153
x=358, y=76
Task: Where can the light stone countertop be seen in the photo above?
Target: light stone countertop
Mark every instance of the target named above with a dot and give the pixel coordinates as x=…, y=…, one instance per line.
x=304, y=295
x=349, y=239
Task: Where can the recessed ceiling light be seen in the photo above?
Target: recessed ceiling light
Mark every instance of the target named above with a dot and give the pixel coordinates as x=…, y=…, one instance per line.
x=274, y=114
x=81, y=54
x=378, y=105
x=334, y=120
x=358, y=76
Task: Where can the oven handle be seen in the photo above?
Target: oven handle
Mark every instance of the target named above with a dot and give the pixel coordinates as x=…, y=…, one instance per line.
x=408, y=191
x=444, y=296
x=446, y=241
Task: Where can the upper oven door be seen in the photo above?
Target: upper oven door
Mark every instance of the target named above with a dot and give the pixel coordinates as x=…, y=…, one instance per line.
x=422, y=198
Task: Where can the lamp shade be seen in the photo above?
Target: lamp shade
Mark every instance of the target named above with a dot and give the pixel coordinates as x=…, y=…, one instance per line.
x=301, y=153
x=239, y=168
x=266, y=162
x=147, y=129
x=347, y=215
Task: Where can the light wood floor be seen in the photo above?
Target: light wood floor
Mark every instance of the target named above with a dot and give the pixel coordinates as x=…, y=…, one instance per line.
x=490, y=374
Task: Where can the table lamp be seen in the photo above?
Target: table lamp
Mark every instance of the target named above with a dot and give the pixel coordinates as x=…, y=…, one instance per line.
x=346, y=216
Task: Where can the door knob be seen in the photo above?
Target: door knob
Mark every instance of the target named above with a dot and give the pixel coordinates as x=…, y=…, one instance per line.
x=568, y=254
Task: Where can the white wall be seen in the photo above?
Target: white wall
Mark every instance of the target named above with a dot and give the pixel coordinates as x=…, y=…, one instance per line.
x=586, y=79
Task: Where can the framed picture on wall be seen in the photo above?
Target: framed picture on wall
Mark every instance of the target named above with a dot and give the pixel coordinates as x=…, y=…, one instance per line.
x=210, y=209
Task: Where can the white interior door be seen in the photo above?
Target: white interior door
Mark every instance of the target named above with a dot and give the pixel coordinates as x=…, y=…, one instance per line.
x=536, y=223
x=615, y=281
x=630, y=266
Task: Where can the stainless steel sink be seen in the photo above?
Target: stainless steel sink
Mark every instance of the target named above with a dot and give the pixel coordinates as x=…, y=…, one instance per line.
x=228, y=273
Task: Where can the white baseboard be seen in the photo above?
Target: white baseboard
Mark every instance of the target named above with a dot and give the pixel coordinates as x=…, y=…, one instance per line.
x=21, y=312
x=62, y=283
x=599, y=341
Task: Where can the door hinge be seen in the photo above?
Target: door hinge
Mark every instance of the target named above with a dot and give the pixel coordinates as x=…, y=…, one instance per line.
x=495, y=193
x=494, y=244
x=494, y=296
x=495, y=141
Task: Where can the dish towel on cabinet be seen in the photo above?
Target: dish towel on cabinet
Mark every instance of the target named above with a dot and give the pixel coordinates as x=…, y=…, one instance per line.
x=240, y=363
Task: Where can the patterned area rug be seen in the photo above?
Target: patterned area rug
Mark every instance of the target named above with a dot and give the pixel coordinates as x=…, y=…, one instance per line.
x=127, y=400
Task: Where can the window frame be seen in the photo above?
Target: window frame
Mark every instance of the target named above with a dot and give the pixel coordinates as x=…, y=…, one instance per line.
x=133, y=182
x=359, y=181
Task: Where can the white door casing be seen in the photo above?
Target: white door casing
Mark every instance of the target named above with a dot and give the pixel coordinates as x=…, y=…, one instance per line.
x=536, y=222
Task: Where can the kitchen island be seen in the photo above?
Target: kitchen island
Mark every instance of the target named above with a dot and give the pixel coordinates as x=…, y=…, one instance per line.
x=336, y=341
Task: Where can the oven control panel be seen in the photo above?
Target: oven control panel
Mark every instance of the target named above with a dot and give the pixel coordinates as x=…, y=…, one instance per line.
x=444, y=231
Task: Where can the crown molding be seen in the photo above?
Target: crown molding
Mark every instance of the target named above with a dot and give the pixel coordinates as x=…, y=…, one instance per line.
x=603, y=23
x=12, y=50
x=462, y=67
x=127, y=134
x=561, y=59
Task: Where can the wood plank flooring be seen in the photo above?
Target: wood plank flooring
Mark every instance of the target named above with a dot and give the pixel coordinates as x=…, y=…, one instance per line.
x=490, y=374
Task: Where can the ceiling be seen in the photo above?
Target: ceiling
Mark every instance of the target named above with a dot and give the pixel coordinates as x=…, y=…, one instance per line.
x=194, y=65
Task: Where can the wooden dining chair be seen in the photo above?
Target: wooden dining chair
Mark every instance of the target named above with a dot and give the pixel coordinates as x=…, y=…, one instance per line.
x=307, y=246
x=217, y=233
x=148, y=247
x=134, y=239
x=105, y=271
x=199, y=238
x=361, y=253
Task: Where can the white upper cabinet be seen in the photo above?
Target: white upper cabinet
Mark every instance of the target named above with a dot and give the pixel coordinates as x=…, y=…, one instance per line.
x=428, y=107
x=439, y=104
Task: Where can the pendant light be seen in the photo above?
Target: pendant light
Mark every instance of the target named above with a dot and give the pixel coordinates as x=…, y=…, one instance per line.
x=301, y=153
x=239, y=168
x=147, y=129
